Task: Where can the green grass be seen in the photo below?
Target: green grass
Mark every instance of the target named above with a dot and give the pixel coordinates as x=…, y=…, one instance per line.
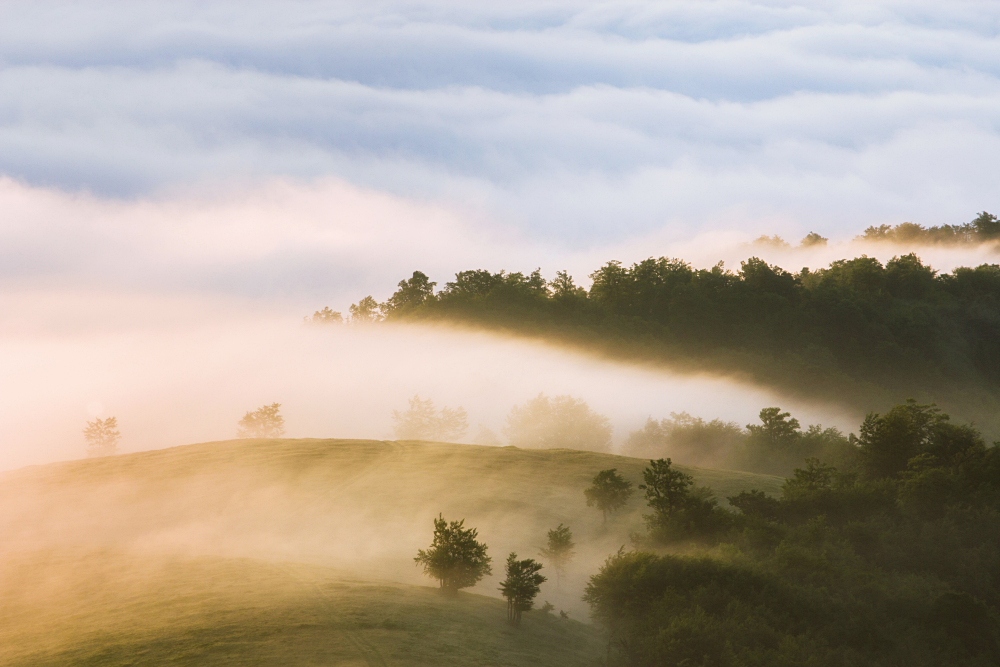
x=297, y=552
x=109, y=610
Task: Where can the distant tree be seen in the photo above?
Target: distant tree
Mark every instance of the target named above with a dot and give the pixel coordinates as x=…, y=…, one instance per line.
x=455, y=558
x=608, y=491
x=486, y=436
x=102, y=437
x=690, y=439
x=422, y=421
x=521, y=586
x=365, y=311
x=986, y=225
x=813, y=239
x=411, y=293
x=563, y=288
x=559, y=550
x=562, y=421
x=772, y=241
x=775, y=445
x=325, y=316
x=887, y=443
x=264, y=422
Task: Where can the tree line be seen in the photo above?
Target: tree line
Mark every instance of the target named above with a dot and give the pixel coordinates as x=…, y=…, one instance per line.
x=858, y=331
x=985, y=228
x=541, y=422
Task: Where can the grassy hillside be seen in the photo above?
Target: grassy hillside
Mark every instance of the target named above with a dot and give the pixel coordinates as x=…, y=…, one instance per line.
x=333, y=502
x=285, y=550
x=108, y=609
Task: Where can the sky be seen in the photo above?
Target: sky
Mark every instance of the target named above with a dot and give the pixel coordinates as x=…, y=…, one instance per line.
x=170, y=167
x=575, y=123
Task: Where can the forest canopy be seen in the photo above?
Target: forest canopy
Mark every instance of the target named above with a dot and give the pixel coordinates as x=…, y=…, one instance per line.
x=858, y=331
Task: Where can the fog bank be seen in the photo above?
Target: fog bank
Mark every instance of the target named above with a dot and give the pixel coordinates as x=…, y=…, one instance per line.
x=175, y=371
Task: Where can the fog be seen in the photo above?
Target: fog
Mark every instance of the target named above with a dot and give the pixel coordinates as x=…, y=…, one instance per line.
x=185, y=311
x=300, y=245
x=177, y=314
x=178, y=371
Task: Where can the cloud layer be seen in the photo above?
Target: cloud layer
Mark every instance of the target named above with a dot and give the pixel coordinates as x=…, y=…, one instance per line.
x=580, y=123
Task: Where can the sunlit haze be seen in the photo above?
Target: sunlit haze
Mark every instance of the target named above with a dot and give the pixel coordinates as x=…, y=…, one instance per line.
x=291, y=290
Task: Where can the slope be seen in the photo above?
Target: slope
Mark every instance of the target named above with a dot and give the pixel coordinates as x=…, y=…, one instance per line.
x=113, y=609
x=214, y=552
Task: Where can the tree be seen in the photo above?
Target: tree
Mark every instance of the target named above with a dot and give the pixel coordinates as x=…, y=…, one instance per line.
x=813, y=239
x=423, y=422
x=325, y=316
x=455, y=558
x=563, y=288
x=365, y=311
x=775, y=445
x=521, y=586
x=691, y=439
x=562, y=421
x=102, y=437
x=559, y=550
x=264, y=422
x=679, y=508
x=667, y=489
x=608, y=491
x=411, y=293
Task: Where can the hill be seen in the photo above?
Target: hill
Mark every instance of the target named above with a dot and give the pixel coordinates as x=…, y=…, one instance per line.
x=294, y=552
x=111, y=609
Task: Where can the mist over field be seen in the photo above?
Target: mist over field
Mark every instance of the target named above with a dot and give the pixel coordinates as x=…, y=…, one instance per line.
x=175, y=372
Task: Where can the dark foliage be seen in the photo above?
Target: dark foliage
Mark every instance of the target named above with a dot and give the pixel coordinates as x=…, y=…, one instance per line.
x=521, y=586
x=455, y=558
x=608, y=492
x=891, y=559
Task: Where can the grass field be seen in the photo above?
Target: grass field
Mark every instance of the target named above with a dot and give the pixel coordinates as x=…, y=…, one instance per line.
x=105, y=609
x=296, y=552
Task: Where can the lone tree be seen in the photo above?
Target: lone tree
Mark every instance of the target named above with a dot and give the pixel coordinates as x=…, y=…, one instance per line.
x=325, y=316
x=422, y=421
x=608, y=492
x=455, y=558
x=102, y=437
x=264, y=422
x=521, y=586
x=559, y=550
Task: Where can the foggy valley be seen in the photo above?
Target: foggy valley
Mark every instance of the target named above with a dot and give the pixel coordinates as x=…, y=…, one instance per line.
x=560, y=334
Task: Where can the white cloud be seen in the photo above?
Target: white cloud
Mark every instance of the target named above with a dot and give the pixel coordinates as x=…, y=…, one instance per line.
x=579, y=122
